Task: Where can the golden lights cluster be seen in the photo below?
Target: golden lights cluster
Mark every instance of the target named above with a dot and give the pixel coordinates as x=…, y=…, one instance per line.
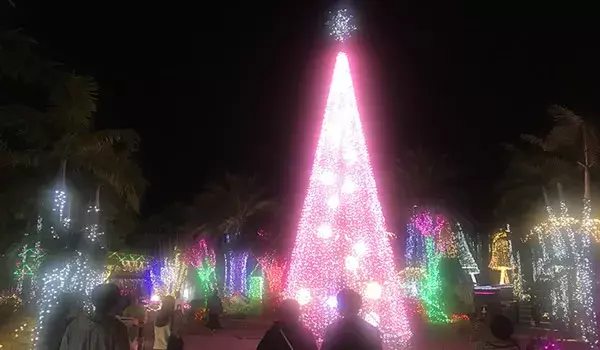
x=501, y=259
x=341, y=240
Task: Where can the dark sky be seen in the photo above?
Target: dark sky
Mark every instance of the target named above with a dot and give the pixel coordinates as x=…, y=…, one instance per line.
x=213, y=87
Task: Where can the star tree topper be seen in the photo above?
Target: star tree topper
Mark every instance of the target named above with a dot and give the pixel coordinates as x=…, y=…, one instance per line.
x=341, y=24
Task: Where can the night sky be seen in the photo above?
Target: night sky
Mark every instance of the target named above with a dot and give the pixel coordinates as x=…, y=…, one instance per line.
x=214, y=87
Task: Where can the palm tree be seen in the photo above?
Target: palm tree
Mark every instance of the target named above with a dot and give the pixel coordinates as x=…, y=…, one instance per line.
x=51, y=124
x=227, y=207
x=572, y=138
x=425, y=177
x=530, y=171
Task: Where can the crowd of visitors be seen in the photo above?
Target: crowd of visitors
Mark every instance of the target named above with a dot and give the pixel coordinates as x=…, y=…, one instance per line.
x=105, y=329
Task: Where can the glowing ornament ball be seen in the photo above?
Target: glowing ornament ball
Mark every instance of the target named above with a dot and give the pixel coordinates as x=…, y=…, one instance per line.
x=341, y=240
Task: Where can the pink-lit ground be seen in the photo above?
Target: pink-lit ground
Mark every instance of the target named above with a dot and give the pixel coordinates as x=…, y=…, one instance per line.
x=245, y=335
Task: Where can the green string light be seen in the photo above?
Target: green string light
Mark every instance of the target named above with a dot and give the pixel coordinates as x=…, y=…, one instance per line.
x=431, y=285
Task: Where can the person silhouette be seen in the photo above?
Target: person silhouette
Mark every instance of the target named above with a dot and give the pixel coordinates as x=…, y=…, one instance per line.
x=351, y=332
x=288, y=332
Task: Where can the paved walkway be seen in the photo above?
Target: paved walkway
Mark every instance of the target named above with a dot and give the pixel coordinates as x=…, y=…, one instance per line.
x=246, y=334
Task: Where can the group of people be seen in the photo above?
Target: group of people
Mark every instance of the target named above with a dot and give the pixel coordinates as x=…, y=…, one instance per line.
x=72, y=329
x=349, y=332
x=105, y=331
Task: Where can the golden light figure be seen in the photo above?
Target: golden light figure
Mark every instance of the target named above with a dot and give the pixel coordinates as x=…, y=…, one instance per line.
x=501, y=253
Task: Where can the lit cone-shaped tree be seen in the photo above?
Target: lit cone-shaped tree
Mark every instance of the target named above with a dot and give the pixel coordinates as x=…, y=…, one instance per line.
x=342, y=241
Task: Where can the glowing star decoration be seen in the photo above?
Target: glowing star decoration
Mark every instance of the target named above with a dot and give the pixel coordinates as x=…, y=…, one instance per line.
x=341, y=25
x=325, y=258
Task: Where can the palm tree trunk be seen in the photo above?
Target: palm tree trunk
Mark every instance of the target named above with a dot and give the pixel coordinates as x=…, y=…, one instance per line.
x=586, y=165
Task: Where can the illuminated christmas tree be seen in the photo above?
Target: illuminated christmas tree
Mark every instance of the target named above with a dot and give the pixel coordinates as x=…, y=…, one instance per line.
x=342, y=241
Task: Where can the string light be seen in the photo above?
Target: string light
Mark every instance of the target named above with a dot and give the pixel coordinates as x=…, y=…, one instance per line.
x=75, y=276
x=561, y=257
x=123, y=262
x=274, y=269
x=341, y=26
x=18, y=337
x=586, y=317
x=168, y=276
x=501, y=256
x=28, y=264
x=465, y=258
x=430, y=287
x=203, y=259
x=323, y=260
x=235, y=273
x=256, y=289
x=92, y=229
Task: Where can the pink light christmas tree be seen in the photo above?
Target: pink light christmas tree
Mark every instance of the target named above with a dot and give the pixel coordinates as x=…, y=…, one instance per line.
x=342, y=241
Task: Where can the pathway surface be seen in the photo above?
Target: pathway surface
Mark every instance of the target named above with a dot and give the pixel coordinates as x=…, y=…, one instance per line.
x=246, y=334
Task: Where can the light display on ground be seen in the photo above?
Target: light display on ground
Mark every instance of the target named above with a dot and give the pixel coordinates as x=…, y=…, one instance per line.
x=169, y=275
x=341, y=239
